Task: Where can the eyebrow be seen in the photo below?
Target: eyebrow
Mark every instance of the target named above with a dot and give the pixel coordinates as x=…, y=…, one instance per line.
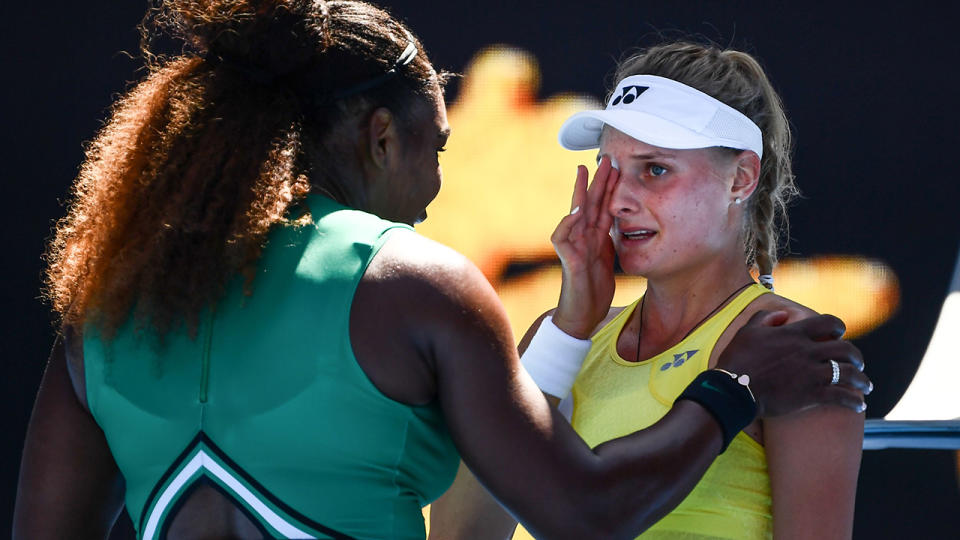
x=653, y=155
x=649, y=155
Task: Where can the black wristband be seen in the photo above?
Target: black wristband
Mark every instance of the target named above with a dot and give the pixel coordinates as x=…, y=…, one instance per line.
x=728, y=401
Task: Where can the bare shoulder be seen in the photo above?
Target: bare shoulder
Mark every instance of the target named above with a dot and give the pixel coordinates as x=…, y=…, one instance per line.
x=764, y=302
x=409, y=255
x=412, y=271
x=775, y=302
x=413, y=260
x=419, y=306
x=430, y=284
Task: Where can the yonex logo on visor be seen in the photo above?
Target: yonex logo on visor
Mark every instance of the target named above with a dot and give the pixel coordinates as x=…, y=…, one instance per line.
x=628, y=94
x=669, y=115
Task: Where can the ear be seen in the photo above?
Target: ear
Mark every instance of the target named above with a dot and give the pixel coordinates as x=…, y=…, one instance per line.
x=382, y=138
x=746, y=175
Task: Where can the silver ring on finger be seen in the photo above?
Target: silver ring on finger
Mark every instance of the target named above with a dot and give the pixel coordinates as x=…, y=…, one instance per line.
x=835, y=378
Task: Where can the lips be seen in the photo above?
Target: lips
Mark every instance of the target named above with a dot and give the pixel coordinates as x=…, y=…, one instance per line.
x=638, y=234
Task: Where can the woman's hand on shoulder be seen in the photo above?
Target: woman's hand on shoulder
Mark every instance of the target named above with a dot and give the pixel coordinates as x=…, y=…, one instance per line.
x=765, y=302
x=789, y=362
x=775, y=302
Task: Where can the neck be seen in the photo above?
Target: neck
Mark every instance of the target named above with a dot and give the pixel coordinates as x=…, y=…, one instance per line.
x=674, y=305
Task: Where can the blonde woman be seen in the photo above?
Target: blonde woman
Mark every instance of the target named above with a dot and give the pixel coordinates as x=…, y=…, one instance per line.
x=694, y=154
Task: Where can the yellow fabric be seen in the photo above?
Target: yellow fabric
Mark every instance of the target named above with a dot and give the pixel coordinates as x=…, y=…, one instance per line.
x=613, y=397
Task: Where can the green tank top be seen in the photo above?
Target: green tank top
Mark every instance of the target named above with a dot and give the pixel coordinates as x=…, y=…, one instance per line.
x=268, y=404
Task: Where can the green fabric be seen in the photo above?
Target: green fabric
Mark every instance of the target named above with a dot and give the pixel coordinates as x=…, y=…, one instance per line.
x=271, y=381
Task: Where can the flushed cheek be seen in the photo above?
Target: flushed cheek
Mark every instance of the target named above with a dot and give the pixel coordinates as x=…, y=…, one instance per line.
x=683, y=228
x=703, y=235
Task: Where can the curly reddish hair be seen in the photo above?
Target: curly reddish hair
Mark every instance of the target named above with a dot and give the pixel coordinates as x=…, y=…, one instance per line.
x=214, y=147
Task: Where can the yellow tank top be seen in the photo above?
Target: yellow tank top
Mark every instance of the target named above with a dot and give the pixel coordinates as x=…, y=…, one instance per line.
x=613, y=397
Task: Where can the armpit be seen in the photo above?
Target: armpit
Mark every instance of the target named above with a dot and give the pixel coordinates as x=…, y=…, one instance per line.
x=73, y=350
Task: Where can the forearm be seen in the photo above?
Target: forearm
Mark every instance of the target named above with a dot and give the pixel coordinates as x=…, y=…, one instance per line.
x=468, y=511
x=532, y=460
x=615, y=490
x=663, y=462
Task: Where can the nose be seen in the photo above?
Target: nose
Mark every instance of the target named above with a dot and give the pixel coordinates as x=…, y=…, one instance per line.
x=624, y=200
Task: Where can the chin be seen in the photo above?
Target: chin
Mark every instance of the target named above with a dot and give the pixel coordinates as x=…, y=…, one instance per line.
x=647, y=268
x=635, y=268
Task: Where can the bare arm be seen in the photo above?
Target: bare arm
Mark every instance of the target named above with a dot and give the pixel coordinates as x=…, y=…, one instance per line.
x=813, y=458
x=467, y=510
x=529, y=457
x=581, y=241
x=69, y=485
x=518, y=446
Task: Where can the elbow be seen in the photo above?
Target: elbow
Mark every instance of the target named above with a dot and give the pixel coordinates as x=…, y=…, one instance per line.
x=613, y=508
x=622, y=521
x=604, y=511
x=608, y=525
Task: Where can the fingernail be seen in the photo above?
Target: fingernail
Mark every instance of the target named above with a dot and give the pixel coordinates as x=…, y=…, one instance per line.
x=870, y=388
x=863, y=407
x=575, y=210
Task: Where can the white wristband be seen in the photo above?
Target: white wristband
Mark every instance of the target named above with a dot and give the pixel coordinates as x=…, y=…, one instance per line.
x=553, y=358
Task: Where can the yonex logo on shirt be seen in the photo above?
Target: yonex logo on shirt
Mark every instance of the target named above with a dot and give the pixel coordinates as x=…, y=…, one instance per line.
x=629, y=94
x=679, y=359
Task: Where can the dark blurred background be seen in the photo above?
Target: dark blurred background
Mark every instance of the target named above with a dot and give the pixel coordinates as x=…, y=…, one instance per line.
x=870, y=91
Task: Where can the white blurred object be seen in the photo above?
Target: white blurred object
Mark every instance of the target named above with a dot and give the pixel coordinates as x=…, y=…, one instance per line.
x=933, y=393
x=928, y=414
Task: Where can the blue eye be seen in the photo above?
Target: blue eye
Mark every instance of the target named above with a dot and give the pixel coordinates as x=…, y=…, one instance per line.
x=657, y=170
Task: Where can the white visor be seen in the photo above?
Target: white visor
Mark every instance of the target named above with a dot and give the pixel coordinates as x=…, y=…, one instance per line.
x=664, y=113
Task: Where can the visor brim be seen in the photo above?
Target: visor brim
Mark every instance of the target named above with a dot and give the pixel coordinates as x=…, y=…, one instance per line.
x=582, y=131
